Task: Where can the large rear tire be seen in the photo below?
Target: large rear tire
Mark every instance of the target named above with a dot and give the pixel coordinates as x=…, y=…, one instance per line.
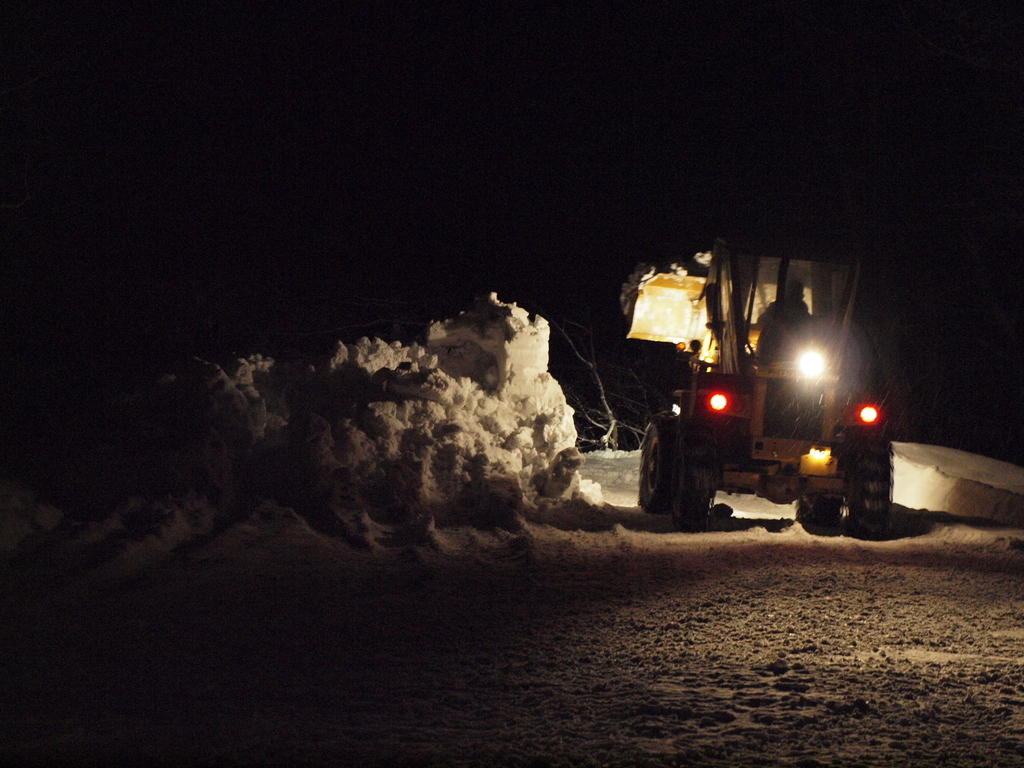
x=697, y=480
x=869, y=493
x=657, y=464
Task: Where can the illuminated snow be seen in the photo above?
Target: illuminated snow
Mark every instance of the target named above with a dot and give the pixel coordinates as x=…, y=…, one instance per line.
x=520, y=609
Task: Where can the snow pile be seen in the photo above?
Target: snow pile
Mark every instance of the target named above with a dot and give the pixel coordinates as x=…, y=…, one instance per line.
x=465, y=429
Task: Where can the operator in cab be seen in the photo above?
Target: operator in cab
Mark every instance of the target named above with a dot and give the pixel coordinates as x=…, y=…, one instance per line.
x=782, y=324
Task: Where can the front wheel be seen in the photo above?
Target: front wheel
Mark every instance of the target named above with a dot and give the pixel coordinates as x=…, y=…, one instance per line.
x=697, y=481
x=869, y=493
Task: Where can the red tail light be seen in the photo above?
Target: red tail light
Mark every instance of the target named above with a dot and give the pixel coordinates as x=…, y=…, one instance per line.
x=718, y=401
x=868, y=414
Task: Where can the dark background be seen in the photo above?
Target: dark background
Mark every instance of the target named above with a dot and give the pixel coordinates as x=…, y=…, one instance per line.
x=182, y=178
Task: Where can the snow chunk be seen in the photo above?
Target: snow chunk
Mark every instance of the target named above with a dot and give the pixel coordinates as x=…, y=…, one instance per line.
x=590, y=492
x=21, y=516
x=496, y=345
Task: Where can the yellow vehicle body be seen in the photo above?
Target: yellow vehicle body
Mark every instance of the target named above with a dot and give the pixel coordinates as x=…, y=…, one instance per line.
x=768, y=407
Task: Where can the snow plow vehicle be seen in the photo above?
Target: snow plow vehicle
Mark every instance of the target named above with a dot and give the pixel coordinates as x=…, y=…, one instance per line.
x=770, y=400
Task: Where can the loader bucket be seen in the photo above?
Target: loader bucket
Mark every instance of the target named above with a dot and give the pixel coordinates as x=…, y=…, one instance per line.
x=669, y=307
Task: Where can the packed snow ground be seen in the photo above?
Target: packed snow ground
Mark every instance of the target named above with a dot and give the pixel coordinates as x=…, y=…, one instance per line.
x=585, y=642
x=429, y=606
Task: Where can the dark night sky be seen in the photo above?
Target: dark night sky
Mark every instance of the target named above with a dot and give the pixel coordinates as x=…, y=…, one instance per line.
x=204, y=178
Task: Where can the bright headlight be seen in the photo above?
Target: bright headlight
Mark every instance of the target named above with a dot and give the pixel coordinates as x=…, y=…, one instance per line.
x=811, y=363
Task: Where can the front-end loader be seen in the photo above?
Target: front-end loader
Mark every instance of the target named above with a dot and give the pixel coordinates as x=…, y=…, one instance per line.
x=771, y=398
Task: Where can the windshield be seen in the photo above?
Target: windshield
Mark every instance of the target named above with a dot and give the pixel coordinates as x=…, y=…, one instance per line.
x=794, y=304
x=819, y=285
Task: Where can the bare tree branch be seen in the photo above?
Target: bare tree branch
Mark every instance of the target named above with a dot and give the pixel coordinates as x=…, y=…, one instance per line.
x=606, y=418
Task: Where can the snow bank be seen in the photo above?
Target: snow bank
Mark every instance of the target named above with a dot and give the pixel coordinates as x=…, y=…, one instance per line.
x=464, y=429
x=926, y=477
x=963, y=484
